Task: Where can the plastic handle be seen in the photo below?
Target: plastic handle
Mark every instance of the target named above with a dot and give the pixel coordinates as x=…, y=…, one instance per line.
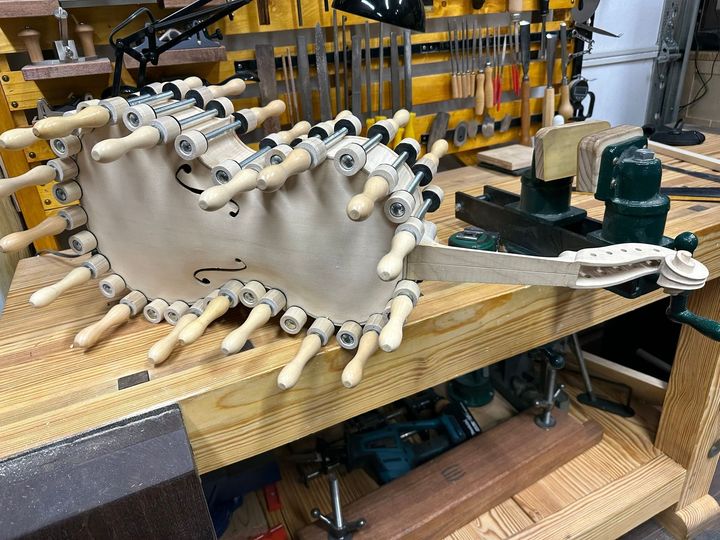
x=361, y=205
x=59, y=126
x=548, y=107
x=299, y=129
x=19, y=240
x=216, y=197
x=234, y=87
x=274, y=177
x=275, y=108
x=235, y=340
x=353, y=372
x=489, y=92
x=87, y=337
x=217, y=307
x=391, y=265
x=160, y=352
x=479, y=93
x=289, y=375
x=565, y=109
x=113, y=149
x=392, y=333
x=679, y=312
x=525, y=113
x=46, y=295
x=17, y=138
x=37, y=176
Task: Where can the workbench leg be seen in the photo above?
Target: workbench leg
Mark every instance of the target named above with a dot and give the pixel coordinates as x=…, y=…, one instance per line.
x=690, y=421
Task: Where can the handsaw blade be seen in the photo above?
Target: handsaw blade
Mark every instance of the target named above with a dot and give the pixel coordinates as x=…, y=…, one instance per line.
x=322, y=72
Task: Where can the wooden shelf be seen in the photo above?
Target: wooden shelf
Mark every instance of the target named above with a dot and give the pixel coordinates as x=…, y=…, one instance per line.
x=11, y=9
x=176, y=57
x=33, y=72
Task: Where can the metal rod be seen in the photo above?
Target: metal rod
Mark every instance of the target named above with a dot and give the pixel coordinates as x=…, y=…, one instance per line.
x=189, y=120
x=552, y=376
x=252, y=157
x=335, y=496
x=583, y=366
x=176, y=106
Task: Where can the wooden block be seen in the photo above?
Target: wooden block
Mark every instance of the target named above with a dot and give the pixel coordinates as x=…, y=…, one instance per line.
x=590, y=151
x=556, y=148
x=71, y=69
x=468, y=480
x=27, y=8
x=685, y=155
x=176, y=57
x=509, y=158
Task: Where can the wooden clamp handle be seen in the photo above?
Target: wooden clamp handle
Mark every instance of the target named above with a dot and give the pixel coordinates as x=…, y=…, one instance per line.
x=85, y=34
x=274, y=177
x=525, y=112
x=489, y=91
x=87, y=337
x=289, y=375
x=46, y=295
x=548, y=107
x=112, y=149
x=37, y=176
x=565, y=109
x=19, y=240
x=438, y=150
x=353, y=372
x=59, y=126
x=275, y=108
x=216, y=197
x=392, y=333
x=31, y=38
x=17, y=138
x=361, y=205
x=391, y=265
x=401, y=118
x=479, y=93
x=235, y=340
x=235, y=87
x=217, y=307
x=160, y=352
x=288, y=136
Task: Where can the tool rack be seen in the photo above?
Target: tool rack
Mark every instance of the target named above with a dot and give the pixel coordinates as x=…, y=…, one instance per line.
x=232, y=408
x=431, y=69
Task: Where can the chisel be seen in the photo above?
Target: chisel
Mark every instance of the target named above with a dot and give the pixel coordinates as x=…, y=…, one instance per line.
x=368, y=76
x=407, y=66
x=549, y=100
x=565, y=109
x=381, y=60
x=394, y=73
x=292, y=83
x=544, y=7
x=345, y=63
x=336, y=61
x=480, y=78
x=322, y=73
x=525, y=87
x=304, y=78
x=454, y=85
x=356, y=76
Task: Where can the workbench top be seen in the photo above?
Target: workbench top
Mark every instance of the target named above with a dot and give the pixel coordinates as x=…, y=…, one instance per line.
x=231, y=406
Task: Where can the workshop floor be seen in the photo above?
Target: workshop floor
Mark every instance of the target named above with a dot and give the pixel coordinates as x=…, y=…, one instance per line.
x=651, y=529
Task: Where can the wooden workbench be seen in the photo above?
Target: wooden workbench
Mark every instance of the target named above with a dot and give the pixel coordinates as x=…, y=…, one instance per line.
x=233, y=410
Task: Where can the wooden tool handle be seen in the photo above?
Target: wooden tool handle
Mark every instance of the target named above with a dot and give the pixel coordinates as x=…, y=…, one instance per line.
x=85, y=34
x=19, y=240
x=216, y=197
x=391, y=265
x=289, y=375
x=515, y=6
x=401, y=118
x=87, y=337
x=288, y=136
x=565, y=109
x=274, y=177
x=160, y=352
x=548, y=107
x=361, y=205
x=479, y=93
x=17, y=138
x=455, y=85
x=525, y=113
x=489, y=91
x=59, y=126
x=353, y=372
x=37, y=176
x=31, y=39
x=235, y=87
x=46, y=295
x=275, y=108
x=112, y=149
x=438, y=149
x=217, y=307
x=235, y=340
x=193, y=81
x=392, y=333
